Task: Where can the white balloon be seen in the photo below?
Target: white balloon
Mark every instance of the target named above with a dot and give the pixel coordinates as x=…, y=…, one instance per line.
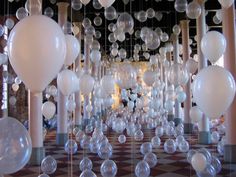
x=226, y=3
x=199, y=162
x=86, y=84
x=108, y=84
x=213, y=45
x=95, y=56
x=48, y=109
x=15, y=87
x=85, y=2
x=214, y=90
x=66, y=80
x=149, y=77
x=40, y=57
x=195, y=114
x=72, y=49
x=106, y=3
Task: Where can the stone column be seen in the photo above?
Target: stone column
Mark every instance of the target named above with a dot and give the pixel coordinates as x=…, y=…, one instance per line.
x=35, y=114
x=62, y=115
x=177, y=118
x=188, y=126
x=204, y=136
x=86, y=115
x=230, y=64
x=78, y=116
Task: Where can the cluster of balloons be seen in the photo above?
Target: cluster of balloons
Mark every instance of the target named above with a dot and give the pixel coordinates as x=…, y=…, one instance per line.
x=203, y=162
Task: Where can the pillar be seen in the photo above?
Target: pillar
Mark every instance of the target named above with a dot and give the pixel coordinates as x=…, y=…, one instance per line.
x=35, y=114
x=177, y=118
x=62, y=115
x=86, y=115
x=204, y=136
x=188, y=126
x=230, y=64
x=78, y=116
x=36, y=127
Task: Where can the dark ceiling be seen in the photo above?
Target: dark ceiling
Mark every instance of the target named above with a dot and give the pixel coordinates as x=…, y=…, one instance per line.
x=170, y=17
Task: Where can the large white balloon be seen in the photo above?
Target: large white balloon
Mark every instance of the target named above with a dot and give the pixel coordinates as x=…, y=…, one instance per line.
x=37, y=49
x=66, y=81
x=86, y=84
x=213, y=45
x=48, y=109
x=195, y=114
x=108, y=84
x=72, y=49
x=214, y=90
x=106, y=3
x=199, y=162
x=226, y=3
x=149, y=77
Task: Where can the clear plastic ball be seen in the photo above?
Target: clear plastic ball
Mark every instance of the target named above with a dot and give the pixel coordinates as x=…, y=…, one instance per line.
x=21, y=13
x=150, y=13
x=159, y=131
x=184, y=146
x=97, y=34
x=108, y=168
x=156, y=142
x=110, y=13
x=97, y=21
x=190, y=154
x=105, y=151
x=181, y=5
x=146, y=148
x=122, y=139
x=142, y=169
x=71, y=146
x=85, y=142
x=193, y=10
x=206, y=153
x=76, y=4
x=170, y=146
x=151, y=159
x=88, y=173
x=48, y=165
x=138, y=135
x=125, y=22
x=142, y=16
x=86, y=22
x=96, y=4
x=49, y=12
x=85, y=164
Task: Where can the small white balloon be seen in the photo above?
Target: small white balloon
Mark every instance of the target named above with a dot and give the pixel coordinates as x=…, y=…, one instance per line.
x=72, y=49
x=48, y=109
x=199, y=162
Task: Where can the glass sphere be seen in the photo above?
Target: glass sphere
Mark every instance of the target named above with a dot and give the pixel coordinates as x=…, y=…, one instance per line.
x=178, y=74
x=193, y=10
x=138, y=135
x=105, y=151
x=71, y=146
x=156, y=142
x=150, y=13
x=142, y=169
x=170, y=146
x=181, y=5
x=142, y=16
x=146, y=148
x=9, y=23
x=151, y=159
x=21, y=13
x=76, y=4
x=190, y=154
x=108, y=168
x=125, y=22
x=85, y=164
x=48, y=165
x=176, y=29
x=110, y=13
x=122, y=139
x=184, y=146
x=97, y=21
x=49, y=12
x=88, y=173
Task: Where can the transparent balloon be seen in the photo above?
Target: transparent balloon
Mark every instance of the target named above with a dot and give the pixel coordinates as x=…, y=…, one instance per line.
x=146, y=148
x=151, y=159
x=108, y=168
x=193, y=10
x=76, y=4
x=125, y=22
x=142, y=169
x=170, y=146
x=85, y=164
x=21, y=13
x=110, y=13
x=49, y=165
x=181, y=5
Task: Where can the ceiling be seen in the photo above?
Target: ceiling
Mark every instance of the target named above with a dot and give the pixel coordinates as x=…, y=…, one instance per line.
x=170, y=18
